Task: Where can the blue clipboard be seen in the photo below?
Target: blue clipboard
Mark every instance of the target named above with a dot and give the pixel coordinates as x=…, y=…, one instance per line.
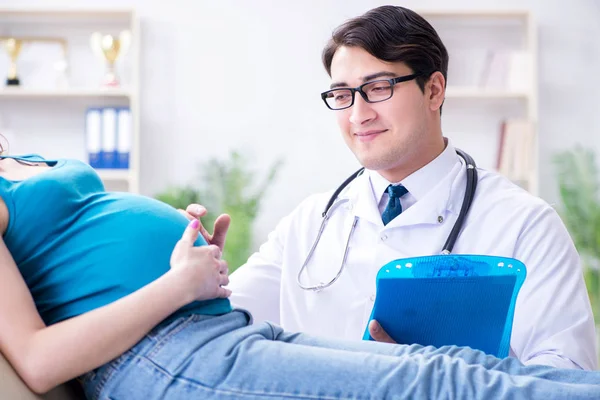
x=462, y=300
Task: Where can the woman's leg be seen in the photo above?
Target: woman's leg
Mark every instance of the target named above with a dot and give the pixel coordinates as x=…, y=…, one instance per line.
x=508, y=365
x=223, y=358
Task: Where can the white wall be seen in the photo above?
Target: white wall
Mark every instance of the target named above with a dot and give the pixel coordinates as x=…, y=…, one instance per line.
x=193, y=50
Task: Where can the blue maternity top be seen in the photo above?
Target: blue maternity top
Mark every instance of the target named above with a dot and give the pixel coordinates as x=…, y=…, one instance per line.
x=79, y=247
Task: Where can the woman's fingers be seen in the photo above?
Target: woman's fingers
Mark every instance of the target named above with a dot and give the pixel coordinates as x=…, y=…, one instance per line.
x=196, y=210
x=220, y=230
x=185, y=214
x=224, y=268
x=224, y=293
x=215, y=251
x=224, y=280
x=190, y=234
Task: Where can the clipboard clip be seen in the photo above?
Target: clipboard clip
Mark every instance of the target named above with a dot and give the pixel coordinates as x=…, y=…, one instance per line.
x=454, y=269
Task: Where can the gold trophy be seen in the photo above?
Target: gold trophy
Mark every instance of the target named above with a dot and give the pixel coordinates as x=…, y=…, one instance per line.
x=13, y=48
x=110, y=49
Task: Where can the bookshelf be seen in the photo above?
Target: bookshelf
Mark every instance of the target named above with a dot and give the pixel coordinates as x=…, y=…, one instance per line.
x=492, y=83
x=60, y=93
x=46, y=116
x=110, y=174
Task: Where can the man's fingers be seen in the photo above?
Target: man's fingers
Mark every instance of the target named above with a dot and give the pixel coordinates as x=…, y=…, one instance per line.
x=190, y=234
x=196, y=210
x=378, y=334
x=220, y=232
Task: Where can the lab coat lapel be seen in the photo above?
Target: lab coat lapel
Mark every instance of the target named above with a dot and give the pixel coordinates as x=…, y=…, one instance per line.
x=425, y=211
x=437, y=203
x=363, y=202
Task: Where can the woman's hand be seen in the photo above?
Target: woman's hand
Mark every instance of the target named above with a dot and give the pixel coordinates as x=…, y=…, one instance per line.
x=219, y=230
x=201, y=271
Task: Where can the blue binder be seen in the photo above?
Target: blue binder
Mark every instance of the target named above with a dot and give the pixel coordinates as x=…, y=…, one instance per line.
x=93, y=131
x=463, y=300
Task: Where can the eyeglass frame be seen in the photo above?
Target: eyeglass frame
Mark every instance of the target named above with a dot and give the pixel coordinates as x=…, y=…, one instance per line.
x=392, y=82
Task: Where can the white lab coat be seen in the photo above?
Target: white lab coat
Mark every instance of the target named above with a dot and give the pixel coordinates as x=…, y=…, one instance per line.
x=553, y=322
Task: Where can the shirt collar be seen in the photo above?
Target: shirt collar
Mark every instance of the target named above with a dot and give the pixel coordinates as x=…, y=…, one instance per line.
x=420, y=182
x=446, y=194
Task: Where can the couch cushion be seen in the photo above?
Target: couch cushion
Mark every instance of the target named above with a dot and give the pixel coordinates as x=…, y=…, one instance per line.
x=12, y=387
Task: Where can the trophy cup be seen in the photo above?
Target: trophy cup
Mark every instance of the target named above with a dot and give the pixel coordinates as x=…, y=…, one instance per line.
x=13, y=48
x=110, y=49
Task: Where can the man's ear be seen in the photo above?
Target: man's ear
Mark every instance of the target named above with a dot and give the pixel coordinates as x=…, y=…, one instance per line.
x=436, y=90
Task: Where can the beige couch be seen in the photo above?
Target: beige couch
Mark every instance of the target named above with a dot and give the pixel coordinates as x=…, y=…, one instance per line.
x=13, y=388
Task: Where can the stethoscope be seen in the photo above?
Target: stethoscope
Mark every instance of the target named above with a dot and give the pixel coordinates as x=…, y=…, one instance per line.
x=332, y=205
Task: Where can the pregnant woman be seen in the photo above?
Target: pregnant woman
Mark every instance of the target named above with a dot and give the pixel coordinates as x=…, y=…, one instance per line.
x=121, y=292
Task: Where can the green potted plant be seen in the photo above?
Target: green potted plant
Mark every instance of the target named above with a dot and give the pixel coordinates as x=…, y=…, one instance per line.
x=577, y=174
x=227, y=186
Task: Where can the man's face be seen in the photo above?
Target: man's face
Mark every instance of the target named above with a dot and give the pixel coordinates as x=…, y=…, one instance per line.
x=387, y=136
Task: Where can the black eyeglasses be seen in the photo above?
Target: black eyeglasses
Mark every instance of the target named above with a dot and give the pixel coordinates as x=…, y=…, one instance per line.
x=372, y=92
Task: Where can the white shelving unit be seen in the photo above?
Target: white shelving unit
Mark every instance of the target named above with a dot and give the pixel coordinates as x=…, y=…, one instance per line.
x=473, y=112
x=114, y=174
x=466, y=92
x=60, y=93
x=50, y=120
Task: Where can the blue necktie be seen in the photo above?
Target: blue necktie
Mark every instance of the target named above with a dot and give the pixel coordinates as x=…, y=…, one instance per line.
x=393, y=208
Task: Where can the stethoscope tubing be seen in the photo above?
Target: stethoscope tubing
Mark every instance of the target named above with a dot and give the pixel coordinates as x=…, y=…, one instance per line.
x=471, y=169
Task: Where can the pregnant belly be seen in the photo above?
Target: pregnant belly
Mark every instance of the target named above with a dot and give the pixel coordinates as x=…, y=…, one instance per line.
x=119, y=243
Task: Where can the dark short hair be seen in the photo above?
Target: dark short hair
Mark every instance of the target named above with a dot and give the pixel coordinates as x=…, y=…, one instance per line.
x=392, y=34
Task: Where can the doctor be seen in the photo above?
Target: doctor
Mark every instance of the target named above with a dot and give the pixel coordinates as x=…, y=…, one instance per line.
x=388, y=72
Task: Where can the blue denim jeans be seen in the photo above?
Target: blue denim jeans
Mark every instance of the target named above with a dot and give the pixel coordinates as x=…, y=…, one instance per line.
x=226, y=357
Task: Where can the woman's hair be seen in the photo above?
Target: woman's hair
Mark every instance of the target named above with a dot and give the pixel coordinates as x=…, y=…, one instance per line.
x=392, y=34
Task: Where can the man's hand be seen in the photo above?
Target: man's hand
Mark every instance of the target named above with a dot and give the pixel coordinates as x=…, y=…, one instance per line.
x=219, y=230
x=378, y=334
